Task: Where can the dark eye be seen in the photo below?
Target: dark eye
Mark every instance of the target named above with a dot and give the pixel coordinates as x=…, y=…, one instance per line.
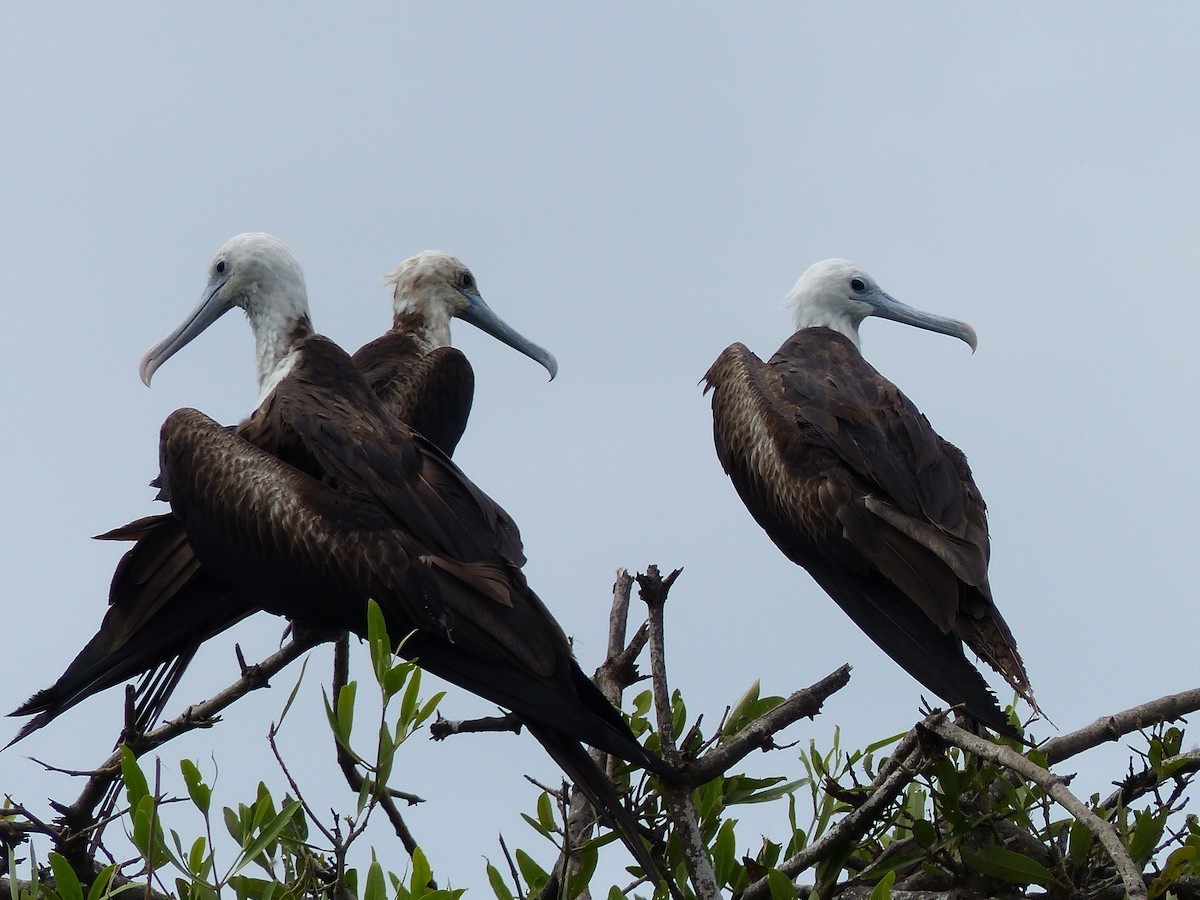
x=220, y=267
x=858, y=284
x=467, y=282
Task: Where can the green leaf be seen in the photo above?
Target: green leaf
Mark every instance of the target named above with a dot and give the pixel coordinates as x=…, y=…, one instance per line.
x=1147, y=830
x=268, y=834
x=136, y=786
x=376, y=884
x=535, y=876
x=883, y=889
x=345, y=711
x=738, y=715
x=924, y=833
x=578, y=879
x=1177, y=864
x=422, y=874
x=65, y=880
x=545, y=813
x=377, y=639
x=102, y=884
x=197, y=862
x=724, y=852
x=614, y=893
x=200, y=792
x=1007, y=865
x=499, y=888
x=781, y=886
x=233, y=824
x=1079, y=844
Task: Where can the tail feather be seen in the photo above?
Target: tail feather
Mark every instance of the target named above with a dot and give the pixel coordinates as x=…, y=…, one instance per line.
x=601, y=793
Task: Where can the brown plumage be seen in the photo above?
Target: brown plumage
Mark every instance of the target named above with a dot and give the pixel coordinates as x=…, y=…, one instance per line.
x=851, y=482
x=323, y=500
x=163, y=606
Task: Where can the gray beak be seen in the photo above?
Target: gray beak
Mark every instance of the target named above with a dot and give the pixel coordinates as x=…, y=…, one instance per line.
x=479, y=314
x=211, y=308
x=886, y=306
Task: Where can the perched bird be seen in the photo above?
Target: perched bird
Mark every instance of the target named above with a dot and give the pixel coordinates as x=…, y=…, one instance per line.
x=162, y=603
x=323, y=500
x=851, y=482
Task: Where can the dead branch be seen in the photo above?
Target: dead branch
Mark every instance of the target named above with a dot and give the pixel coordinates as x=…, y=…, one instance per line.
x=441, y=728
x=1116, y=726
x=653, y=589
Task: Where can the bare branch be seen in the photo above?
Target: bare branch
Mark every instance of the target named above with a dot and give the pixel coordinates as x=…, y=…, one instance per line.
x=1116, y=726
x=442, y=728
x=653, y=589
x=760, y=733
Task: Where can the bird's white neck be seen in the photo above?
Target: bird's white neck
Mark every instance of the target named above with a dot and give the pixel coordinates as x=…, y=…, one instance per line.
x=433, y=320
x=841, y=320
x=278, y=327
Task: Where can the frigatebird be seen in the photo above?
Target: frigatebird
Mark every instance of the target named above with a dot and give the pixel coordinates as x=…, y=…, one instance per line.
x=333, y=501
x=162, y=603
x=851, y=482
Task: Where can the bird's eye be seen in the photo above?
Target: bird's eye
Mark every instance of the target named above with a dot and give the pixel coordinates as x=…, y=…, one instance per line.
x=467, y=281
x=858, y=284
x=220, y=268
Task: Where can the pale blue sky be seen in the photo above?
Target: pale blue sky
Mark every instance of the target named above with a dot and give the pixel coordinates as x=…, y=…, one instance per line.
x=635, y=188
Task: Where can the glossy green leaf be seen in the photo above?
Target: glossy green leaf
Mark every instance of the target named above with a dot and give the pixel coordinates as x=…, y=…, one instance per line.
x=535, y=876
x=345, y=710
x=136, y=787
x=724, y=853
x=200, y=792
x=580, y=875
x=65, y=880
x=267, y=835
x=883, y=889
x=1178, y=864
x=1007, y=865
x=496, y=880
x=780, y=885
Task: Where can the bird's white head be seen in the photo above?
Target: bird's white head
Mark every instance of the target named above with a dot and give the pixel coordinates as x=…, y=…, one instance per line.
x=433, y=287
x=837, y=294
x=259, y=274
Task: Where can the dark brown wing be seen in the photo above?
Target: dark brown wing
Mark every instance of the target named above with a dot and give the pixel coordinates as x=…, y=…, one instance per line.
x=318, y=552
x=431, y=392
x=162, y=605
x=851, y=482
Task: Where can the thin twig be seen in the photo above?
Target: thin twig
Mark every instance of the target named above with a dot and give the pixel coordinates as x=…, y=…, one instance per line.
x=1055, y=787
x=653, y=589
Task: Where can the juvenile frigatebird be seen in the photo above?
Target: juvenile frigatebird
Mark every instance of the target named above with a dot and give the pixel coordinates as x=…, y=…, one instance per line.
x=163, y=605
x=335, y=501
x=851, y=482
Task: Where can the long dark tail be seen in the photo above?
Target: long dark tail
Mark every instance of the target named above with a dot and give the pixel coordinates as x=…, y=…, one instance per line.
x=163, y=606
x=602, y=794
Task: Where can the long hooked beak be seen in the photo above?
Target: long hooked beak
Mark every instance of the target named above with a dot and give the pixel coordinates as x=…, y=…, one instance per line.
x=885, y=306
x=212, y=307
x=479, y=314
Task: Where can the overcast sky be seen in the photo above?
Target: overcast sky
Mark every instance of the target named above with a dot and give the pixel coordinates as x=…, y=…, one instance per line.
x=635, y=189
